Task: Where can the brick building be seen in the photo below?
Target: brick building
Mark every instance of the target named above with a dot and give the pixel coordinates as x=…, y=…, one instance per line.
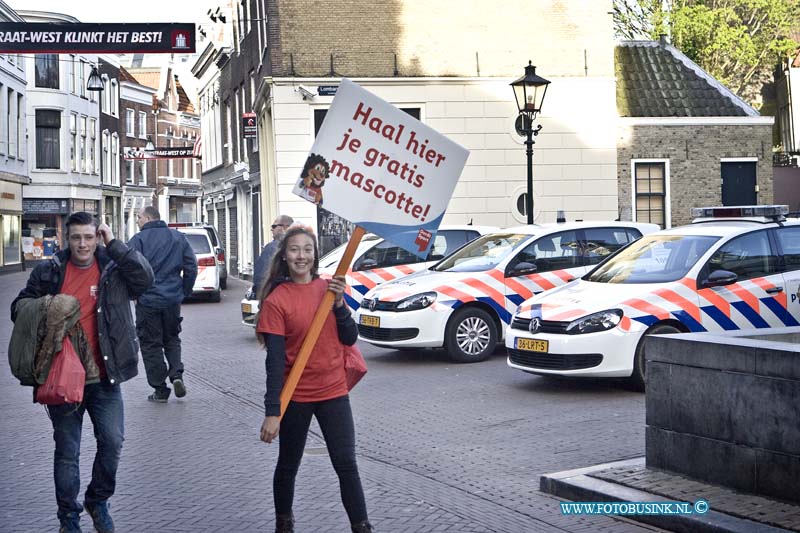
x=684, y=140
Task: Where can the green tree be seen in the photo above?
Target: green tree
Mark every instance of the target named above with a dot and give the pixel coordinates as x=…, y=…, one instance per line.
x=739, y=42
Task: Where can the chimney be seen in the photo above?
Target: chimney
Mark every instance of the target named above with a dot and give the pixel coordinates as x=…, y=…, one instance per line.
x=662, y=40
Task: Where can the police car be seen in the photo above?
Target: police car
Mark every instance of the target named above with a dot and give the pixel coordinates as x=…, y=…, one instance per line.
x=377, y=260
x=733, y=268
x=463, y=302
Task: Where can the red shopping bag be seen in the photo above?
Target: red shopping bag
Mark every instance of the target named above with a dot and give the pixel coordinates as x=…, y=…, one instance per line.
x=354, y=365
x=66, y=379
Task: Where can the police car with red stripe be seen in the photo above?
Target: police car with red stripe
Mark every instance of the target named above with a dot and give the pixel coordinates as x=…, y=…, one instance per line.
x=463, y=302
x=377, y=260
x=733, y=268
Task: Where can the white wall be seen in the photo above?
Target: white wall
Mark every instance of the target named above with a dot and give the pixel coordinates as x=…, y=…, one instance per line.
x=574, y=155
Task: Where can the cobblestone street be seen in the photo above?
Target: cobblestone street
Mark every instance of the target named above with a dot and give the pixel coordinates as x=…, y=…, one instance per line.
x=442, y=447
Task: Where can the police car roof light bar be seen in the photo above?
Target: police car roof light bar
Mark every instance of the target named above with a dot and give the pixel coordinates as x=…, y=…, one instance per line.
x=741, y=211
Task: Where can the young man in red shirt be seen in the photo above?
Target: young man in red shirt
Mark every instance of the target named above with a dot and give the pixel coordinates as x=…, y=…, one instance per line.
x=103, y=279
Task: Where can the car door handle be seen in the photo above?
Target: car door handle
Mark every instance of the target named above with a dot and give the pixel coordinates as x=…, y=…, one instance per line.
x=775, y=290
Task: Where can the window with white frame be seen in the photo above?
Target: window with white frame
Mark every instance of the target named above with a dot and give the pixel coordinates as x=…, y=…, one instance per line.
x=3, y=134
x=142, y=164
x=105, y=98
x=73, y=141
x=114, y=159
x=130, y=122
x=48, y=143
x=142, y=125
x=83, y=144
x=169, y=161
x=129, y=166
x=22, y=147
x=228, y=120
x=82, y=77
x=105, y=157
x=46, y=71
x=114, y=103
x=91, y=161
x=650, y=192
x=11, y=122
x=72, y=73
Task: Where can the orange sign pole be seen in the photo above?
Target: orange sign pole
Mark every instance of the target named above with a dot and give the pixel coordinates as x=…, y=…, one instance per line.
x=316, y=324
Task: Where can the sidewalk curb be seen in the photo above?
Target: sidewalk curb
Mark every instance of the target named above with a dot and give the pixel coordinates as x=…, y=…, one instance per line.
x=576, y=485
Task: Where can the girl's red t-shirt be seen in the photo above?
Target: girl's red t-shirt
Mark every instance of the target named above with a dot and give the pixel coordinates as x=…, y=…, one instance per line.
x=288, y=311
x=82, y=283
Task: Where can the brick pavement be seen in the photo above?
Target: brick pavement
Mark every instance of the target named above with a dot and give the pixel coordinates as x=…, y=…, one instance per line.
x=442, y=447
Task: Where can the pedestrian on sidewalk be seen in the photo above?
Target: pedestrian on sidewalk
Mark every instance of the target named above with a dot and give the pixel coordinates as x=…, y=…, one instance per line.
x=158, y=310
x=261, y=268
x=289, y=301
x=103, y=279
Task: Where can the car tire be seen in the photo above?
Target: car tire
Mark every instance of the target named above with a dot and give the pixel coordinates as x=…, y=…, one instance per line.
x=637, y=379
x=470, y=336
x=223, y=283
x=215, y=297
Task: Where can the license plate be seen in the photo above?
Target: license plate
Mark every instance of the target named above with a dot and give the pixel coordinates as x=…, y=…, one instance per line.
x=531, y=345
x=247, y=308
x=374, y=321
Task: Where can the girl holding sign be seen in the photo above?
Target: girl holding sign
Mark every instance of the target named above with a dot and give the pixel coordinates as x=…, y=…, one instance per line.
x=289, y=300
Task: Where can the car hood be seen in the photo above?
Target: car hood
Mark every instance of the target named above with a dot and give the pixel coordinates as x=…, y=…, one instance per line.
x=419, y=282
x=580, y=298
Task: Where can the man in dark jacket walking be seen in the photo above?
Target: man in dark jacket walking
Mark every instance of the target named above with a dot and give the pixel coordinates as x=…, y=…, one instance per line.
x=261, y=268
x=158, y=310
x=103, y=280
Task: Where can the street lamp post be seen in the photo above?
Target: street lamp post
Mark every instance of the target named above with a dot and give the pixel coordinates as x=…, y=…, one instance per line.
x=529, y=93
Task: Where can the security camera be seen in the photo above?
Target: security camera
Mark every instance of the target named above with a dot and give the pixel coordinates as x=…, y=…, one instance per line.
x=306, y=93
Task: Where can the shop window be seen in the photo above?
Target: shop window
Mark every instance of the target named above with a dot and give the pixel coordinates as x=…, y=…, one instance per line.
x=11, y=239
x=46, y=75
x=48, y=146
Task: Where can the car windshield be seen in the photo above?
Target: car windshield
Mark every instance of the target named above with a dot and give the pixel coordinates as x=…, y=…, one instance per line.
x=484, y=253
x=199, y=243
x=654, y=259
x=332, y=258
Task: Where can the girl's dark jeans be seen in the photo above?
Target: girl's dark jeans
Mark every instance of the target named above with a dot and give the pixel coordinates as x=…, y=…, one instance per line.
x=336, y=422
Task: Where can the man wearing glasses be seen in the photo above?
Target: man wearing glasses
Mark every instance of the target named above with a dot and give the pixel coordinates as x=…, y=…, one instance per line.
x=261, y=269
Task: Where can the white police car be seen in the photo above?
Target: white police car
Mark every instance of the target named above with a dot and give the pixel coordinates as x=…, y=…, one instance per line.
x=733, y=268
x=463, y=302
x=377, y=260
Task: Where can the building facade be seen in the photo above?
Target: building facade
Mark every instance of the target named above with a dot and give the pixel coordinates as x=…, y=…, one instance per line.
x=137, y=126
x=110, y=149
x=13, y=150
x=63, y=125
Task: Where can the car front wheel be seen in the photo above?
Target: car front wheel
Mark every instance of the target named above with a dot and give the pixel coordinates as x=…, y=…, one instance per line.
x=639, y=361
x=470, y=336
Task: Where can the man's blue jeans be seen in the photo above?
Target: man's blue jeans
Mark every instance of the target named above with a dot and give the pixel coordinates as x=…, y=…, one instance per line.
x=103, y=401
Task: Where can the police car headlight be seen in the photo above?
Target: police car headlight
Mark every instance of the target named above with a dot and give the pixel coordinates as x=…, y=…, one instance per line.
x=602, y=321
x=418, y=301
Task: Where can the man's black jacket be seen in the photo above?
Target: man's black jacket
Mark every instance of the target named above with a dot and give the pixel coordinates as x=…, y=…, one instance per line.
x=124, y=275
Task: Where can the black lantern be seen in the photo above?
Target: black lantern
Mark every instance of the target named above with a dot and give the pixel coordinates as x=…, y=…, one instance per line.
x=95, y=82
x=529, y=91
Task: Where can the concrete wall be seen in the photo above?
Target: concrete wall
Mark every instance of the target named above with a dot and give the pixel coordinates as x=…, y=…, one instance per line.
x=724, y=409
x=694, y=152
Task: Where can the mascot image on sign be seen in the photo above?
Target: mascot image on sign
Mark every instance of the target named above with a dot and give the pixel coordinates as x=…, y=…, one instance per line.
x=313, y=177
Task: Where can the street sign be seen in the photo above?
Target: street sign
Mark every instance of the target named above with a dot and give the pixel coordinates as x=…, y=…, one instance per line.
x=327, y=90
x=249, y=126
x=58, y=38
x=381, y=169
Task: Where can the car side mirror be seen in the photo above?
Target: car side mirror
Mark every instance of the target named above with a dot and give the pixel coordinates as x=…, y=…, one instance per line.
x=719, y=278
x=521, y=269
x=367, y=264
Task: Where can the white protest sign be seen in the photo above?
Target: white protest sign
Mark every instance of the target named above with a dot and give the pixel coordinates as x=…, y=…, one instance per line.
x=381, y=169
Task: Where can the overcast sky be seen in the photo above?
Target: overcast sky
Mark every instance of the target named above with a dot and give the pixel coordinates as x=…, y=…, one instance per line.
x=123, y=11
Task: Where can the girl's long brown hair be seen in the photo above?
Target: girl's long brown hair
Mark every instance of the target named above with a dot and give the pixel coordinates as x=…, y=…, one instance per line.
x=279, y=269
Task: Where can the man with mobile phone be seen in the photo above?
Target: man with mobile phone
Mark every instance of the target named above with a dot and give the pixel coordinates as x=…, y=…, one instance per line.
x=103, y=279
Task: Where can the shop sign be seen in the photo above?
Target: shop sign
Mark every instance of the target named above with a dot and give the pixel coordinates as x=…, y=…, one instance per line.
x=44, y=205
x=60, y=38
x=160, y=152
x=249, y=126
